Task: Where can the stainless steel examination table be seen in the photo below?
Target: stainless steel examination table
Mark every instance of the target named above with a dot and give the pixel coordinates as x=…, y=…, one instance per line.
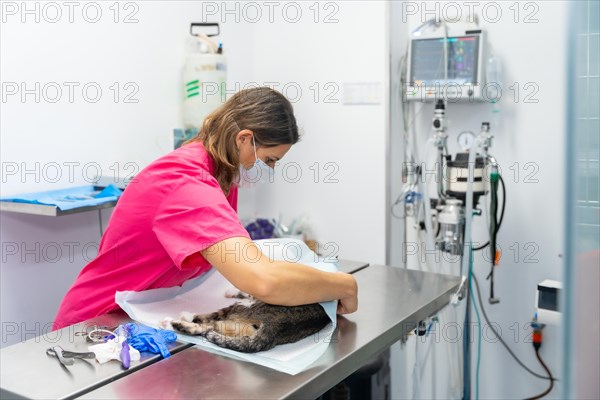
x=391, y=302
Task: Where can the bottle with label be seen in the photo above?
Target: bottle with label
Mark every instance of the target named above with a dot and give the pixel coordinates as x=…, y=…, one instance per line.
x=494, y=89
x=204, y=78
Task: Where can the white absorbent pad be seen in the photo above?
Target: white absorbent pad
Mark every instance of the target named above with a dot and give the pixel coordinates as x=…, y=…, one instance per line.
x=206, y=294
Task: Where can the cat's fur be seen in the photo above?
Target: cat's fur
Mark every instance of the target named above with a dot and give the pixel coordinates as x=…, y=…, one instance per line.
x=255, y=327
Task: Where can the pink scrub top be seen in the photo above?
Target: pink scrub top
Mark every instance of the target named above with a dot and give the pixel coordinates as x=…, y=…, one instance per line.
x=173, y=209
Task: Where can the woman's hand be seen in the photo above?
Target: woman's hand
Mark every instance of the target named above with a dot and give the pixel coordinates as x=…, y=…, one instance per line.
x=349, y=304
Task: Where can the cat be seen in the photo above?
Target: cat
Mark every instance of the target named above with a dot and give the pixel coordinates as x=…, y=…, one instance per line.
x=255, y=327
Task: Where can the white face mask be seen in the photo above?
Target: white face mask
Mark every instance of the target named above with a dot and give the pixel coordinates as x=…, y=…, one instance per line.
x=260, y=172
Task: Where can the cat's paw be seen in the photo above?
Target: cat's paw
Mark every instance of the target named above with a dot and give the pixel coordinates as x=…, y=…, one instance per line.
x=187, y=327
x=166, y=324
x=232, y=293
x=187, y=316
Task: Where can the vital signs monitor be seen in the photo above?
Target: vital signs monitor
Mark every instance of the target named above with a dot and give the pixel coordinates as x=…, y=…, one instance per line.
x=461, y=79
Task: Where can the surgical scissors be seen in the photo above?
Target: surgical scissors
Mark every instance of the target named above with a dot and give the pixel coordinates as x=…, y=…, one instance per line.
x=98, y=335
x=67, y=357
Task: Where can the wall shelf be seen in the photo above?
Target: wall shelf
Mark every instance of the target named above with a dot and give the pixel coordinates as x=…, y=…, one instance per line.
x=54, y=211
x=50, y=211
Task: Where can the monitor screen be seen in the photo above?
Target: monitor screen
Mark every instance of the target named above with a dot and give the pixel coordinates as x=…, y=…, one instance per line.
x=548, y=299
x=427, y=61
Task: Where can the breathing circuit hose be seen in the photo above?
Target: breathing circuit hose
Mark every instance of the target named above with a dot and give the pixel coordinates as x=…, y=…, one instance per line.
x=429, y=235
x=494, y=178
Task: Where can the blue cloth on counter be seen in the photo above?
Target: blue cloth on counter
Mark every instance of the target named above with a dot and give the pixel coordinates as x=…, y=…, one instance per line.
x=67, y=199
x=144, y=338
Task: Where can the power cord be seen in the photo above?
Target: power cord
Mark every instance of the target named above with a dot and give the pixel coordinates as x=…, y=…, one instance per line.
x=471, y=276
x=398, y=201
x=537, y=343
x=483, y=246
x=494, y=178
x=502, y=340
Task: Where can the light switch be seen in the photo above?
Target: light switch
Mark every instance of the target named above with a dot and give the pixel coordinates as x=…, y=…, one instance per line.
x=362, y=93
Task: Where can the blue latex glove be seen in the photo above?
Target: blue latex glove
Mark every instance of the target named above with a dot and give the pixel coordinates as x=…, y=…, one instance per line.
x=125, y=357
x=144, y=338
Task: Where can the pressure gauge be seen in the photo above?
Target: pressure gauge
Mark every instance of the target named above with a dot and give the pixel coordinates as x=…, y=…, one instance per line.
x=466, y=139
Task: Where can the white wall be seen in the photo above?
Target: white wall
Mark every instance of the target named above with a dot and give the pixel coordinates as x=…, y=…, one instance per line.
x=350, y=213
x=528, y=133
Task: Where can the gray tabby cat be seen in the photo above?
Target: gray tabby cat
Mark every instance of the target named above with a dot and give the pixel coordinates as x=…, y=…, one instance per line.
x=257, y=327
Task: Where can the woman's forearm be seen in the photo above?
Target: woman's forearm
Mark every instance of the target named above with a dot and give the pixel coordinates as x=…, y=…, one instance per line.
x=292, y=284
x=279, y=282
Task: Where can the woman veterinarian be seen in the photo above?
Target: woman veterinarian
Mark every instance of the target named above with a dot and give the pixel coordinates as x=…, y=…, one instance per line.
x=178, y=218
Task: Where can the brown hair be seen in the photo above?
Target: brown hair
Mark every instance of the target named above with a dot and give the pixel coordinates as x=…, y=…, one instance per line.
x=264, y=111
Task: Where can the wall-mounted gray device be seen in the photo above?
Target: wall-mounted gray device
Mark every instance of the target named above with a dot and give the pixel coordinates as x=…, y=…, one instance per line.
x=547, y=300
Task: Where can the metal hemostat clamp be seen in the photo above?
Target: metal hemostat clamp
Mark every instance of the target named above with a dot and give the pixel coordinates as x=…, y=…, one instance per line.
x=67, y=357
x=460, y=292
